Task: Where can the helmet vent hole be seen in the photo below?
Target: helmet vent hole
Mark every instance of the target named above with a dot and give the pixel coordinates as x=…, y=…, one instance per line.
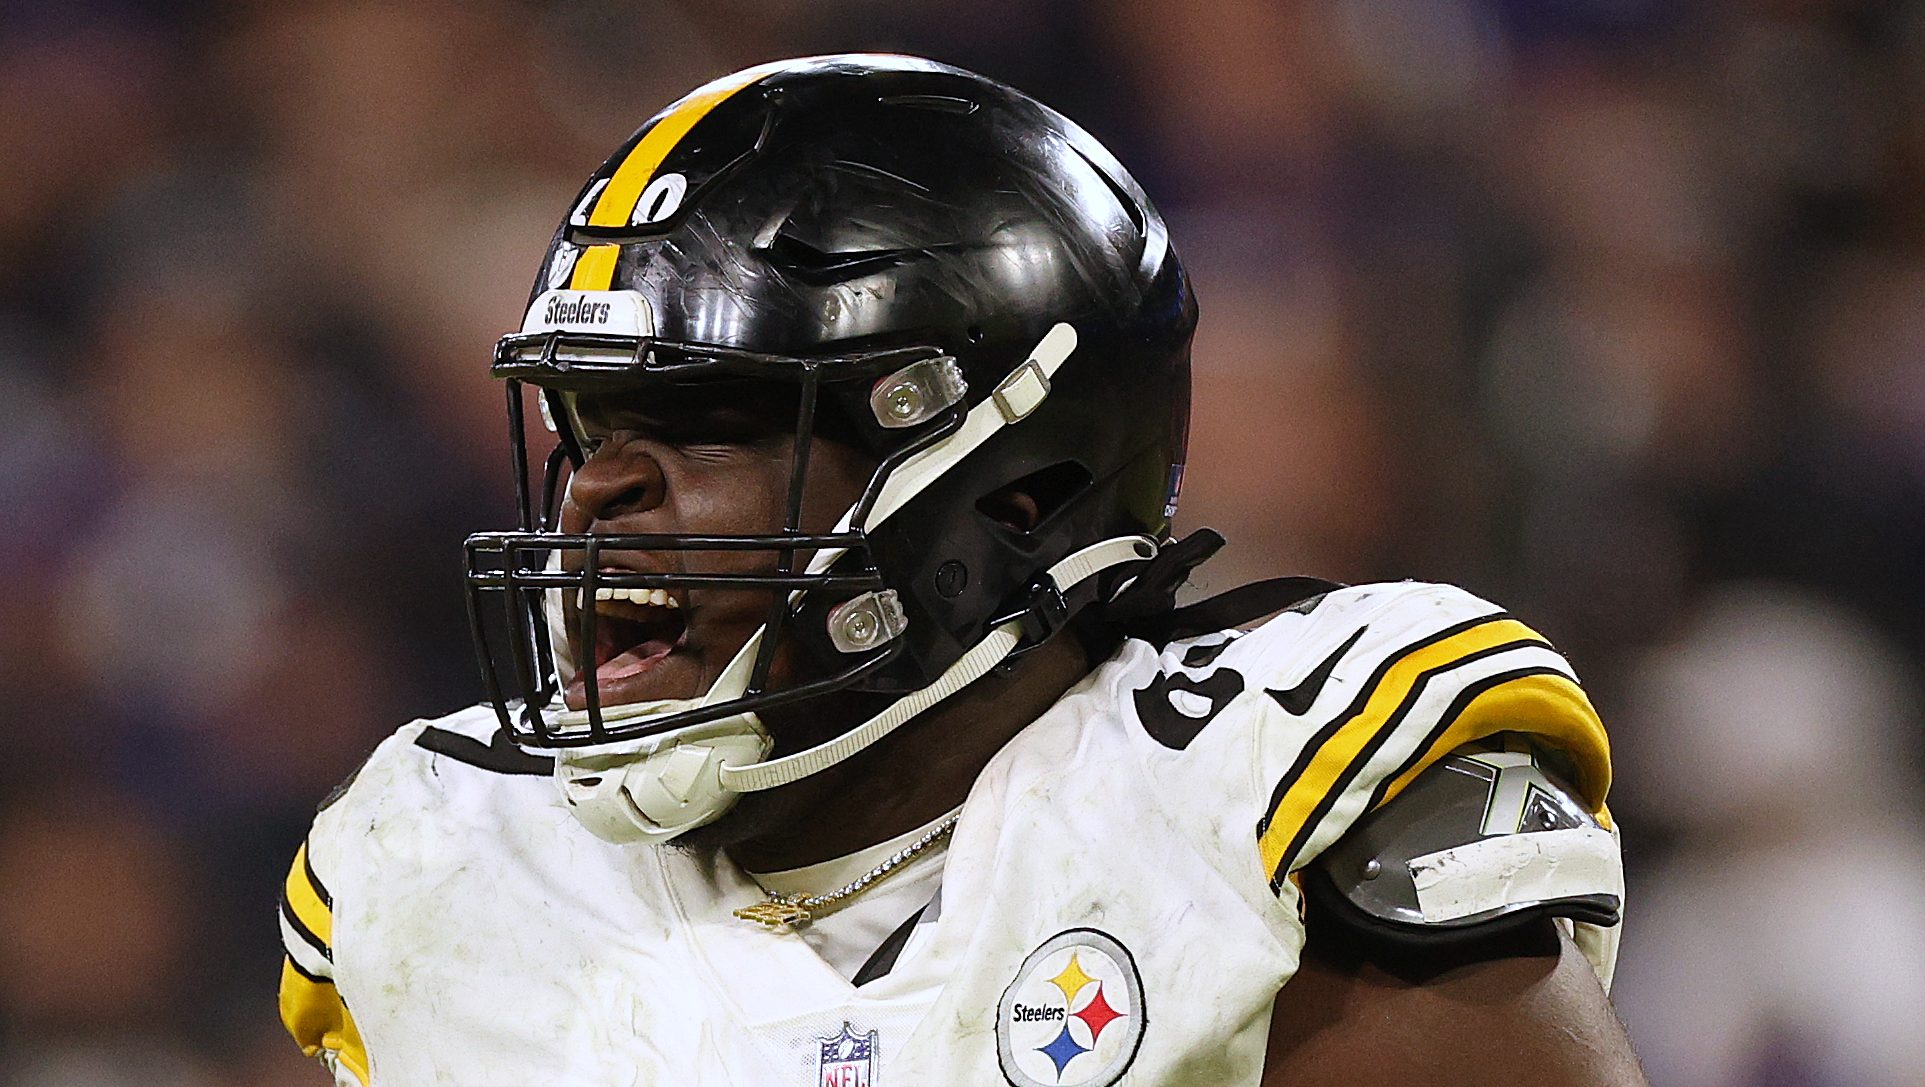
x=821, y=268
x=940, y=102
x=1027, y=505
x=1123, y=197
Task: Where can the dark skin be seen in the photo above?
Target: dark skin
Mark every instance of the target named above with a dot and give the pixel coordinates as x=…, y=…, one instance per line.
x=1524, y=1014
x=1529, y=1013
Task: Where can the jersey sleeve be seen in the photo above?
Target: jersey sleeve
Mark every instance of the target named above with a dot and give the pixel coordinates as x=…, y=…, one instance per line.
x=1411, y=673
x=366, y=913
x=311, y=1006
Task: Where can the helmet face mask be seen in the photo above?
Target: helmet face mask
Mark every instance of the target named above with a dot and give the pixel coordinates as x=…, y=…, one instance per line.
x=926, y=266
x=540, y=584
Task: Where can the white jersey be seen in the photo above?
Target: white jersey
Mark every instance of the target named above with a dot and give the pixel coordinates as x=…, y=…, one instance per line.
x=1116, y=904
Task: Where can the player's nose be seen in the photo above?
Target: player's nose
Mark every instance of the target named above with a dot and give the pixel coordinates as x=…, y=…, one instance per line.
x=614, y=482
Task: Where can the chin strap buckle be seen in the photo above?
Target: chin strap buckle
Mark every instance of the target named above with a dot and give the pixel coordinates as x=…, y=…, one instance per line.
x=1042, y=612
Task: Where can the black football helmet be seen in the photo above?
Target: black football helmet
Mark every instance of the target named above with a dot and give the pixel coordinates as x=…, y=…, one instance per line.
x=953, y=275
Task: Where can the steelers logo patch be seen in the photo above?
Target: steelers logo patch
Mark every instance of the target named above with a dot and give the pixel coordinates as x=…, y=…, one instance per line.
x=1074, y=1015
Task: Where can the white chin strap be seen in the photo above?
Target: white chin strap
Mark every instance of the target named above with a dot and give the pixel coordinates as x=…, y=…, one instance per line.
x=683, y=779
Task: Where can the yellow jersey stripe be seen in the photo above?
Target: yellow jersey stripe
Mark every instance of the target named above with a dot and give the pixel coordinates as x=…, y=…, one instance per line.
x=1339, y=751
x=307, y=902
x=296, y=935
x=595, y=271
x=1543, y=703
x=313, y=1013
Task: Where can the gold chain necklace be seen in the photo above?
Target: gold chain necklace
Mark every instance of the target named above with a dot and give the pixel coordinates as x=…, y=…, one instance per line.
x=783, y=911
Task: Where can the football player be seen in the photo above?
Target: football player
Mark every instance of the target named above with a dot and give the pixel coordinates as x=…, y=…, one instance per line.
x=841, y=728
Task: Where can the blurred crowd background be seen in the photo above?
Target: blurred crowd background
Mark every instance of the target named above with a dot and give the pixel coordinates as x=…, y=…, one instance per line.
x=1612, y=310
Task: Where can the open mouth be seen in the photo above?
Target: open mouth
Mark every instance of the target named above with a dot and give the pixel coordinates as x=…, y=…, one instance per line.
x=635, y=631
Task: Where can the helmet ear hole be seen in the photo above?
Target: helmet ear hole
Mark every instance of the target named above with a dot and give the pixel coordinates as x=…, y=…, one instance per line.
x=1027, y=504
x=1011, y=508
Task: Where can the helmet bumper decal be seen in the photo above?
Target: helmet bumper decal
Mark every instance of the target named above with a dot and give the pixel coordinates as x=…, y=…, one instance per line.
x=614, y=313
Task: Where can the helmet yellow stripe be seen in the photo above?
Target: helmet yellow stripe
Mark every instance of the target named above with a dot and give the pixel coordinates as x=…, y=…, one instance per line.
x=596, y=268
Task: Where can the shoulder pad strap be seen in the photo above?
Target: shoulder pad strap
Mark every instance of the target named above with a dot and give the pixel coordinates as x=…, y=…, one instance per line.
x=1482, y=842
x=1238, y=606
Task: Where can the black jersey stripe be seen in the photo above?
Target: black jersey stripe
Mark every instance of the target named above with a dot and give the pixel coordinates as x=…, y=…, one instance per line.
x=1336, y=724
x=303, y=971
x=314, y=881
x=1375, y=743
x=1458, y=705
x=305, y=933
x=883, y=959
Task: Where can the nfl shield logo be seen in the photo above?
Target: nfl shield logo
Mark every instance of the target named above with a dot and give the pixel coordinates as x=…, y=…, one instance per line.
x=848, y=1059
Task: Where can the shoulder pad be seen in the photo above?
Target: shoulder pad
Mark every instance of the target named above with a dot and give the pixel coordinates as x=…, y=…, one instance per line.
x=1483, y=842
x=453, y=770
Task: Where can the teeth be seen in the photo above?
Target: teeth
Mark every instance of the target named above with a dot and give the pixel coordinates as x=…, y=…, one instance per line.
x=657, y=597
